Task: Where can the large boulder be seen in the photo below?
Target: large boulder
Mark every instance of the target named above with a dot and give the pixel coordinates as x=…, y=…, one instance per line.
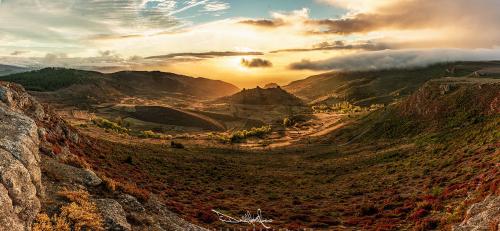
x=20, y=176
x=69, y=174
x=113, y=214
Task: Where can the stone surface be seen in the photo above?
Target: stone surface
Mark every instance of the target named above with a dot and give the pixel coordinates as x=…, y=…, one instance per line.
x=70, y=174
x=20, y=175
x=113, y=215
x=130, y=203
x=484, y=215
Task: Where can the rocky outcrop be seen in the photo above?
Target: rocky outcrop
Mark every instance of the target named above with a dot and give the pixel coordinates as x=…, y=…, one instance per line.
x=484, y=215
x=35, y=141
x=20, y=176
x=69, y=174
x=113, y=214
x=446, y=97
x=259, y=96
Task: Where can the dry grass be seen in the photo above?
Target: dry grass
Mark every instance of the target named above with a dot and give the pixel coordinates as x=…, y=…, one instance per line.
x=76, y=161
x=78, y=215
x=325, y=186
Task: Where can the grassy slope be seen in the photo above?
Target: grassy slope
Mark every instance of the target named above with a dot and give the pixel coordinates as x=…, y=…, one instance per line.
x=383, y=86
x=51, y=79
x=390, y=181
x=128, y=83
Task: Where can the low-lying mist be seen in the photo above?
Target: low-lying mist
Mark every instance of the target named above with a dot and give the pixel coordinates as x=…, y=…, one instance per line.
x=389, y=59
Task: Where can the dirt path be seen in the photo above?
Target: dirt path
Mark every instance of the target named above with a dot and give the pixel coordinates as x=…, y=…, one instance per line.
x=323, y=124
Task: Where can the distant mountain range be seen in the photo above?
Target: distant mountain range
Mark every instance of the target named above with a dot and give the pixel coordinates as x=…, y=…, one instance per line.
x=358, y=87
x=8, y=69
x=95, y=87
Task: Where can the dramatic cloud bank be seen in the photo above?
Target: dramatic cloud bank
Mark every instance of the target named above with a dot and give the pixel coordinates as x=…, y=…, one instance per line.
x=377, y=60
x=459, y=23
x=339, y=45
x=205, y=55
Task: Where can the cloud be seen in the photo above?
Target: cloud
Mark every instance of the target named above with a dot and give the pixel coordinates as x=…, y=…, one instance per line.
x=79, y=24
x=280, y=19
x=15, y=53
x=358, y=5
x=339, y=45
x=473, y=21
x=377, y=60
x=113, y=36
x=256, y=63
x=204, y=55
x=456, y=23
x=216, y=6
x=264, y=22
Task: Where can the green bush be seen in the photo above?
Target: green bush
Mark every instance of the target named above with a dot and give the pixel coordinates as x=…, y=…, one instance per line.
x=345, y=108
x=108, y=125
x=149, y=134
x=240, y=136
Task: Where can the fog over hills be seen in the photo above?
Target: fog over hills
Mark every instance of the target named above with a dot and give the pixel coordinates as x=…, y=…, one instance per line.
x=8, y=69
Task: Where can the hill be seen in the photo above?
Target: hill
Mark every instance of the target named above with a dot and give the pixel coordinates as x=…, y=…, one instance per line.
x=73, y=84
x=45, y=176
x=260, y=96
x=418, y=164
x=156, y=83
x=9, y=69
x=443, y=104
x=381, y=86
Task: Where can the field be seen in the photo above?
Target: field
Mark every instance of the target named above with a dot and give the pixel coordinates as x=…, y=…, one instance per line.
x=389, y=185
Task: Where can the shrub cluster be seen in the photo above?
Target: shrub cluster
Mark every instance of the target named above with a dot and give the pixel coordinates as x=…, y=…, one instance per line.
x=108, y=125
x=119, y=128
x=242, y=135
x=345, y=108
x=149, y=134
x=80, y=214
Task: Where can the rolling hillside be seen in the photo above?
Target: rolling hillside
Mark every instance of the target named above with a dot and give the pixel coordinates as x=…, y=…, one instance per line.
x=97, y=86
x=382, y=86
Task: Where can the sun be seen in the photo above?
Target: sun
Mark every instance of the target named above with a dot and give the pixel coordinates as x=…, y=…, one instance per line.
x=235, y=63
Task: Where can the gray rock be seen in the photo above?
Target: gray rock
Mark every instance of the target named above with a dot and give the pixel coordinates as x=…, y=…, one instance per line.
x=42, y=132
x=130, y=203
x=113, y=215
x=70, y=174
x=482, y=215
x=20, y=175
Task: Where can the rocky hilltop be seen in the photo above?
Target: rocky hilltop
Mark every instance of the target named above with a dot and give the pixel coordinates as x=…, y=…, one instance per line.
x=264, y=96
x=46, y=184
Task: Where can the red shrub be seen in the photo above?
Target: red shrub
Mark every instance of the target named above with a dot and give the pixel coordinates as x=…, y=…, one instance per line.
x=419, y=214
x=56, y=149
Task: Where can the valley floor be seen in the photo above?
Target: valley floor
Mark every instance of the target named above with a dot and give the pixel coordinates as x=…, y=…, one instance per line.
x=383, y=185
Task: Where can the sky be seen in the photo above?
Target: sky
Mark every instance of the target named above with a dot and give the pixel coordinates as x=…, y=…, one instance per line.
x=245, y=42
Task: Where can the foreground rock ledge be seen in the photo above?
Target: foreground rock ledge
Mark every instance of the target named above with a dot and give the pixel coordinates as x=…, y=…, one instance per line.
x=20, y=176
